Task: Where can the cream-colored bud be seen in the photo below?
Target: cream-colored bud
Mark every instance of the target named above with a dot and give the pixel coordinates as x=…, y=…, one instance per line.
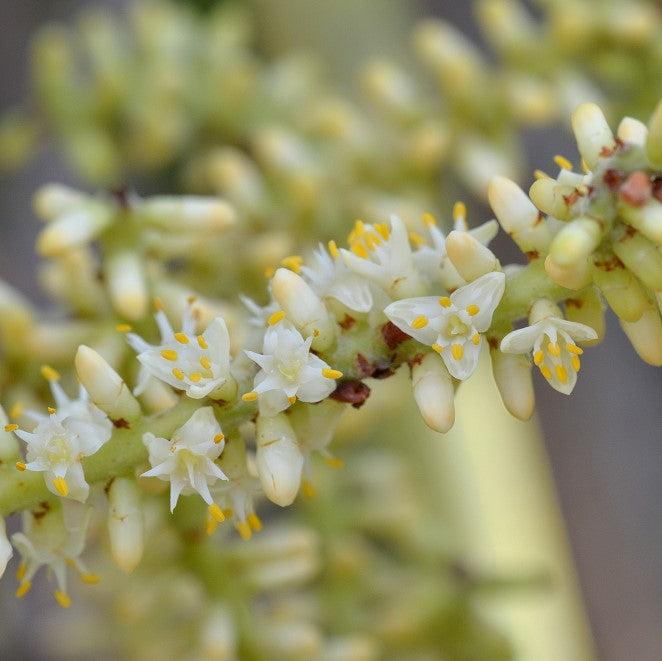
x=624, y=293
x=125, y=523
x=592, y=132
x=55, y=342
x=16, y=319
x=126, y=283
x=646, y=336
x=303, y=307
x=470, y=257
x=53, y=200
x=218, y=637
x=654, y=141
x=74, y=228
x=640, y=255
x=389, y=88
x=587, y=308
x=188, y=213
x=434, y=393
x=158, y=396
x=543, y=308
x=6, y=550
x=479, y=161
x=233, y=174
x=512, y=374
x=552, y=197
x=105, y=386
x=577, y=276
x=279, y=459
x=646, y=218
x=283, y=574
x=518, y=215
x=575, y=241
x=632, y=132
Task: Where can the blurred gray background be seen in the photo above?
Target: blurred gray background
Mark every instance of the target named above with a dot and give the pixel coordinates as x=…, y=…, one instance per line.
x=605, y=442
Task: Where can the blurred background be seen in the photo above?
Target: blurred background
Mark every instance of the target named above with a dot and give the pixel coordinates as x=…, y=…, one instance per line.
x=604, y=442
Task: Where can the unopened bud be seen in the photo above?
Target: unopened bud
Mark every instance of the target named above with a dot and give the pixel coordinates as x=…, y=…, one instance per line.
x=640, y=255
x=470, y=257
x=218, y=638
x=434, y=393
x=654, y=141
x=158, y=396
x=575, y=242
x=6, y=551
x=592, y=132
x=577, y=276
x=646, y=336
x=53, y=200
x=389, y=88
x=283, y=574
x=646, y=218
x=188, y=213
x=552, y=197
x=303, y=307
x=632, y=132
x=624, y=293
x=125, y=523
x=126, y=284
x=279, y=459
x=587, y=308
x=105, y=386
x=512, y=374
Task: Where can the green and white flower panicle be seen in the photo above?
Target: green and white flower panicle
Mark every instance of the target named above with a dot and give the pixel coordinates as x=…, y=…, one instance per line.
x=452, y=325
x=197, y=364
x=551, y=341
x=187, y=460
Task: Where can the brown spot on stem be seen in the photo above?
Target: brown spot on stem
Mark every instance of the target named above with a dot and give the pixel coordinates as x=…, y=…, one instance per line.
x=612, y=179
x=392, y=335
x=121, y=423
x=352, y=392
x=347, y=322
x=637, y=189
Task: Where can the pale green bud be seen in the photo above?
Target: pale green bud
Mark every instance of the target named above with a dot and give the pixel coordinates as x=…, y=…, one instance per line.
x=624, y=293
x=576, y=241
x=640, y=255
x=592, y=132
x=646, y=336
x=654, y=141
x=512, y=375
x=434, y=392
x=125, y=523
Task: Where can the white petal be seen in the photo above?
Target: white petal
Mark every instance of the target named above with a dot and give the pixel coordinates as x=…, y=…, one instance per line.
x=402, y=313
x=218, y=339
x=521, y=341
x=577, y=331
x=353, y=292
x=486, y=293
x=462, y=369
x=485, y=232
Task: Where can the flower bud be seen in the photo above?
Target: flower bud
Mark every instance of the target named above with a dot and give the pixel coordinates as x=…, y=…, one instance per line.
x=158, y=396
x=188, y=213
x=512, y=374
x=105, y=386
x=434, y=393
x=577, y=276
x=587, y=308
x=218, y=637
x=279, y=459
x=389, y=88
x=646, y=218
x=518, y=216
x=624, y=293
x=551, y=197
x=640, y=255
x=470, y=257
x=126, y=284
x=125, y=523
x=592, y=132
x=303, y=307
x=6, y=550
x=632, y=132
x=16, y=319
x=646, y=336
x=654, y=141
x=575, y=242
x=283, y=574
x=53, y=200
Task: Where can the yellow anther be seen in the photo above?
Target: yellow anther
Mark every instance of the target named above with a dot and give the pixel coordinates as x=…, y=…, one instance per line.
x=383, y=230
x=458, y=351
x=445, y=302
x=316, y=332
x=561, y=373
x=249, y=396
x=420, y=322
x=205, y=362
x=308, y=489
x=538, y=357
x=416, y=238
x=62, y=598
x=90, y=579
x=333, y=249
x=244, y=530
x=61, y=486
x=437, y=347
x=202, y=343
x=20, y=571
x=49, y=373
x=546, y=372
x=51, y=410
x=459, y=211
x=276, y=317
x=563, y=162
x=195, y=376
x=576, y=363
x=218, y=438
x=16, y=411
x=292, y=262
x=269, y=272
x=329, y=373
x=292, y=399
x=371, y=241
x=211, y=526
x=123, y=328
x=473, y=309
x=216, y=513
x=475, y=339
x=334, y=462
x=23, y=589
x=360, y=250
x=20, y=465
x=12, y=426
x=539, y=174
x=573, y=348
x=254, y=522
x=554, y=348
x=228, y=512
x=169, y=354
x=429, y=219
x=182, y=338
x=177, y=373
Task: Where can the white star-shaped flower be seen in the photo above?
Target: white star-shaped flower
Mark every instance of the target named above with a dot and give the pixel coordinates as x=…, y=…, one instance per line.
x=187, y=460
x=551, y=343
x=197, y=364
x=289, y=371
x=452, y=325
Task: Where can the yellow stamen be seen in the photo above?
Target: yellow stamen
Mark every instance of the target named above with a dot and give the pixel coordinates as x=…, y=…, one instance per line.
x=90, y=579
x=359, y=249
x=269, y=272
x=333, y=249
x=473, y=309
x=561, y=373
x=51, y=410
x=292, y=399
x=123, y=328
x=329, y=373
x=539, y=174
x=416, y=238
x=205, y=362
x=20, y=571
x=16, y=411
x=177, y=373
x=211, y=526
x=546, y=372
x=383, y=229
x=20, y=465
x=458, y=351
x=437, y=347
x=23, y=589
x=538, y=357
x=459, y=211
x=334, y=462
x=228, y=512
x=182, y=338
x=157, y=303
x=429, y=219
x=61, y=486
x=276, y=317
x=216, y=513
x=202, y=343
x=49, y=373
x=254, y=522
x=244, y=530
x=573, y=348
x=169, y=354
x=308, y=489
x=576, y=363
x=420, y=322
x=62, y=598
x=249, y=396
x=554, y=348
x=445, y=301
x=195, y=376
x=562, y=162
x=475, y=339
x=218, y=438
x=12, y=426
x=292, y=262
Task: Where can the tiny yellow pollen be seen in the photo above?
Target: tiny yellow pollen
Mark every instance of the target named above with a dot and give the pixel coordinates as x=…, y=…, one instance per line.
x=573, y=348
x=539, y=174
x=475, y=339
x=216, y=513
x=182, y=338
x=12, y=426
x=554, y=348
x=416, y=238
x=359, y=249
x=61, y=486
x=20, y=465
x=293, y=262
x=195, y=376
x=254, y=522
x=329, y=373
x=269, y=272
x=169, y=354
x=445, y=301
x=334, y=462
x=316, y=332
x=420, y=322
x=249, y=396
x=429, y=219
x=123, y=328
x=205, y=362
x=49, y=373
x=202, y=343
x=546, y=372
x=561, y=373
x=62, y=598
x=20, y=571
x=16, y=410
x=459, y=211
x=177, y=373
x=458, y=351
x=276, y=317
x=23, y=589
x=51, y=410
x=292, y=399
x=383, y=229
x=473, y=309
x=218, y=438
x=538, y=357
x=157, y=304
x=244, y=530
x=563, y=162
x=576, y=363
x=333, y=249
x=308, y=489
x=437, y=347
x=90, y=579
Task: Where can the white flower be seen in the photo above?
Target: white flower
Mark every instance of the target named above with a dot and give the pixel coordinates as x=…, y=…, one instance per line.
x=384, y=257
x=289, y=371
x=259, y=314
x=452, y=326
x=46, y=540
x=329, y=277
x=199, y=365
x=187, y=460
x=551, y=342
